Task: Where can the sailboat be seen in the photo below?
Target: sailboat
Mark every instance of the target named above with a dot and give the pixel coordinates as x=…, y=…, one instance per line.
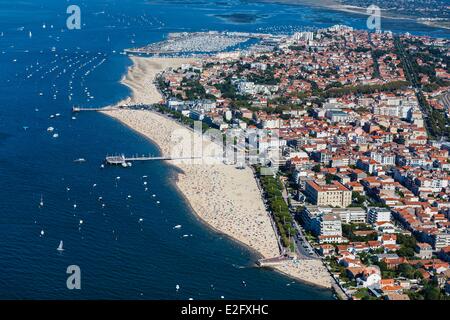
x=60, y=247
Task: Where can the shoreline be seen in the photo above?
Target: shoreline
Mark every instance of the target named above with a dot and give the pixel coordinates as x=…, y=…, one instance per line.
x=175, y=177
x=225, y=199
x=338, y=7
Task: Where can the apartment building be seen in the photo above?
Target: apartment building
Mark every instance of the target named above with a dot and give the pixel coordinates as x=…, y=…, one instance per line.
x=334, y=194
x=375, y=215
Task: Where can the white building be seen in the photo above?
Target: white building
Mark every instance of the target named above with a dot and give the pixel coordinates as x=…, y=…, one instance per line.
x=441, y=240
x=375, y=215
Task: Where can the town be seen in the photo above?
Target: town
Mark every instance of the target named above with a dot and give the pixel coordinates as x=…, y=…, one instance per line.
x=356, y=129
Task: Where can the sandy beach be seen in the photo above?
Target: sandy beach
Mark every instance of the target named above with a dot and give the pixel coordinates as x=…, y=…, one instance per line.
x=224, y=197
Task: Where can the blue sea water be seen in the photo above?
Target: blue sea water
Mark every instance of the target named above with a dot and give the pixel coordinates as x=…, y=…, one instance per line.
x=127, y=249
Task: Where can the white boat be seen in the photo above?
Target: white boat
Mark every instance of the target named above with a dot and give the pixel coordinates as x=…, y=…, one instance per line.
x=41, y=203
x=178, y=226
x=60, y=247
x=80, y=160
x=55, y=135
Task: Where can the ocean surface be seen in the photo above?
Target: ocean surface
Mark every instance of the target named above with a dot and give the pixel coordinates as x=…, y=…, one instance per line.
x=113, y=228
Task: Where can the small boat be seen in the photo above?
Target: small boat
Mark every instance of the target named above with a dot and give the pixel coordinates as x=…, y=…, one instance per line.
x=55, y=135
x=80, y=160
x=178, y=226
x=60, y=247
x=50, y=129
x=41, y=203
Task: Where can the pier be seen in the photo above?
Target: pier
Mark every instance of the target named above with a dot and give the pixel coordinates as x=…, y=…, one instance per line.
x=122, y=160
x=79, y=109
x=76, y=109
x=270, y=262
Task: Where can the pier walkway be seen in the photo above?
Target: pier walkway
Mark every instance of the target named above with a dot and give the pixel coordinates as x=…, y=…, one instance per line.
x=121, y=160
x=76, y=109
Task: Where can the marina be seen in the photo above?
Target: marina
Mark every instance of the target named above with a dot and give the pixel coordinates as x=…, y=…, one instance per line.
x=198, y=42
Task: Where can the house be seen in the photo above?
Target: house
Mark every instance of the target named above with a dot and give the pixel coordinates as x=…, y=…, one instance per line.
x=390, y=286
x=423, y=250
x=396, y=296
x=391, y=259
x=326, y=250
x=388, y=239
x=370, y=277
x=384, y=227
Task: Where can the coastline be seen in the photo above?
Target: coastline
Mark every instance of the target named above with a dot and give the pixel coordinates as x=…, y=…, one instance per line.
x=336, y=6
x=224, y=198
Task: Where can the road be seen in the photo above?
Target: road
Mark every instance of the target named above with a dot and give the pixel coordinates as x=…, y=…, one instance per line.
x=302, y=245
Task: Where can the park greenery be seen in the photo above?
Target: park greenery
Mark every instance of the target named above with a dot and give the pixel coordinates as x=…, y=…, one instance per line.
x=273, y=192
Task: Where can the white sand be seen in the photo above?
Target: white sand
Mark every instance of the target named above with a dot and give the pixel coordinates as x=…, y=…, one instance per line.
x=224, y=197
